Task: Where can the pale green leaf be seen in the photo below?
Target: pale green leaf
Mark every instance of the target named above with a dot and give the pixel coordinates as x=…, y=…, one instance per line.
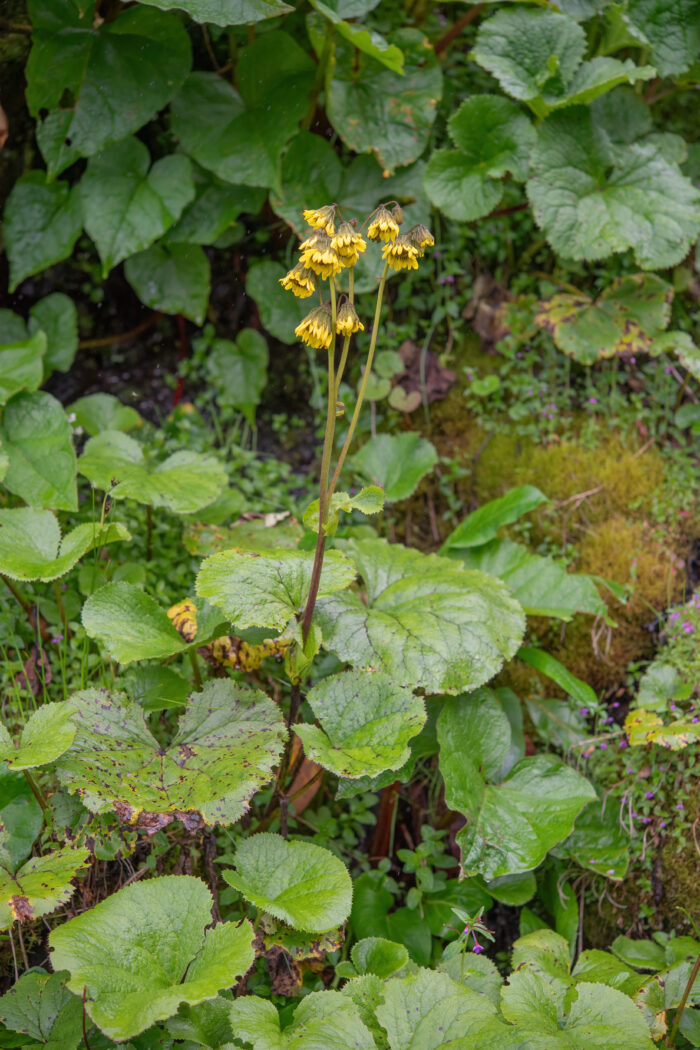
x=428, y=1010
x=366, y=722
x=21, y=364
x=57, y=317
x=225, y=12
x=604, y=1018
x=130, y=624
x=670, y=27
x=538, y=801
x=108, y=77
x=261, y=589
x=36, y=436
x=39, y=886
x=31, y=547
x=593, y=199
x=228, y=740
x=42, y=223
x=476, y=972
x=207, y=1024
x=681, y=344
x=137, y=972
x=40, y=1006
x=603, y=968
x=532, y=1002
x=483, y=524
x=327, y=1020
x=379, y=956
x=126, y=207
x=428, y=623
x=544, y=952
x=45, y=736
x=377, y=110
x=109, y=456
x=302, y=884
x=98, y=412
x=639, y=954
x=369, y=500
x=173, y=278
x=365, y=40
x=396, y=462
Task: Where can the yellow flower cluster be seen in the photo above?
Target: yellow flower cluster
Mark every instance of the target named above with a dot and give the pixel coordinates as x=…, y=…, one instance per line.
x=316, y=329
x=384, y=226
x=348, y=244
x=347, y=320
x=299, y=280
x=401, y=254
x=322, y=218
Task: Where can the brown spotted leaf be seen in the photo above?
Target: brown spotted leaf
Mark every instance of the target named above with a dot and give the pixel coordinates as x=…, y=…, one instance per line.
x=229, y=739
x=624, y=319
x=39, y=886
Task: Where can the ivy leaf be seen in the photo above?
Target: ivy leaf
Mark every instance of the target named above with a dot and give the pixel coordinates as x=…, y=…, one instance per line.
x=538, y=801
x=427, y=623
x=39, y=1005
x=396, y=462
x=280, y=311
x=225, y=12
x=625, y=318
x=98, y=412
x=311, y=171
x=493, y=138
x=541, y=585
x=369, y=500
x=126, y=207
x=183, y=483
x=592, y=198
x=238, y=371
x=117, y=74
x=670, y=27
x=130, y=624
x=228, y=740
x=136, y=972
x=47, y=733
x=21, y=363
x=257, y=589
x=365, y=40
x=57, y=317
x=482, y=525
x=31, y=547
x=377, y=110
x=39, y=886
x=301, y=884
x=326, y=1019
x=42, y=223
x=366, y=723
x=173, y=278
x=36, y=437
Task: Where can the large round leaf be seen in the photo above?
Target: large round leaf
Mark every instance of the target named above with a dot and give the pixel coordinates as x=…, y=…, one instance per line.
x=31, y=547
x=670, y=27
x=267, y=589
x=429, y=624
x=228, y=740
x=225, y=12
x=130, y=624
x=366, y=722
x=427, y=1010
x=141, y=952
x=328, y=1020
x=302, y=884
x=311, y=176
x=510, y=826
x=396, y=462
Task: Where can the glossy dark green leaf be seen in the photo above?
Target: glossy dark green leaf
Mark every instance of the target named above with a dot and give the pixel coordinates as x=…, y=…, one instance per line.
x=365, y=40
x=482, y=525
x=21, y=362
x=225, y=12
x=280, y=310
x=36, y=436
x=214, y=210
x=126, y=207
x=115, y=74
x=548, y=665
x=311, y=176
x=599, y=842
x=42, y=223
x=173, y=278
x=377, y=110
x=57, y=317
x=130, y=624
x=238, y=370
x=322, y=1019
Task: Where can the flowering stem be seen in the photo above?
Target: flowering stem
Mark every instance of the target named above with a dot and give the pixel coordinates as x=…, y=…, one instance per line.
x=363, y=385
x=346, y=343
x=324, y=492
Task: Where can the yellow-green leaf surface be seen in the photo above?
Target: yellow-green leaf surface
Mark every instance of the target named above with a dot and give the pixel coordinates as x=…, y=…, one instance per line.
x=39, y=886
x=47, y=733
x=31, y=547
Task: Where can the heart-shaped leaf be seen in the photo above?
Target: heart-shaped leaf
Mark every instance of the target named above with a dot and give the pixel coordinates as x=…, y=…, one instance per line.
x=31, y=547
x=47, y=733
x=427, y=623
x=257, y=589
x=173, y=278
x=57, y=317
x=130, y=624
x=396, y=462
x=228, y=740
x=280, y=311
x=310, y=171
x=670, y=27
x=98, y=412
x=537, y=802
x=366, y=722
x=39, y=886
x=137, y=972
x=43, y=221
x=238, y=370
x=21, y=362
x=429, y=1009
x=302, y=884
x=36, y=436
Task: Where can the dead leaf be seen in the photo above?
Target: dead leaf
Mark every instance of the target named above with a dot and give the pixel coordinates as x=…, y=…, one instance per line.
x=36, y=673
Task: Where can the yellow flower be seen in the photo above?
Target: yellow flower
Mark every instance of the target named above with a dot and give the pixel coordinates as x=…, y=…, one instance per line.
x=401, y=254
x=347, y=320
x=317, y=255
x=300, y=281
x=315, y=330
x=348, y=244
x=383, y=226
x=322, y=218
x=422, y=238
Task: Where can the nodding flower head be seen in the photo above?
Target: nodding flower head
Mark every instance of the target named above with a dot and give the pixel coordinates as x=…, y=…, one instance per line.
x=347, y=320
x=422, y=238
x=318, y=255
x=348, y=244
x=322, y=218
x=383, y=226
x=299, y=280
x=316, y=330
x=401, y=254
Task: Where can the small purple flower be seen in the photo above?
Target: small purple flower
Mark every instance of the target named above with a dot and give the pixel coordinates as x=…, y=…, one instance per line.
x=630, y=770
x=592, y=400
x=518, y=354
x=662, y=824
x=667, y=371
x=680, y=806
x=688, y=627
x=603, y=746
x=56, y=639
x=615, y=704
x=648, y=794
x=694, y=720
x=675, y=615
x=646, y=820
x=584, y=711
x=623, y=743
x=610, y=871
